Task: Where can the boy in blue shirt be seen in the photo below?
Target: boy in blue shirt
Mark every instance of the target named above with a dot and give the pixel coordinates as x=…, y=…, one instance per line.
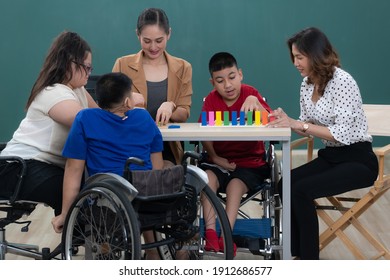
x=102, y=139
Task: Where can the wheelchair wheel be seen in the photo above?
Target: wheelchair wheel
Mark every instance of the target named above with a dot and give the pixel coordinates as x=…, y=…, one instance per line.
x=193, y=248
x=101, y=225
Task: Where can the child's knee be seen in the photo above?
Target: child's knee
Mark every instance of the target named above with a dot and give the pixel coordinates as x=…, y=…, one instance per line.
x=236, y=185
x=213, y=180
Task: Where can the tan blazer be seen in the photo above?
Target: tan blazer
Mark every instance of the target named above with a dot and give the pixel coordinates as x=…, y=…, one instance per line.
x=179, y=84
x=179, y=77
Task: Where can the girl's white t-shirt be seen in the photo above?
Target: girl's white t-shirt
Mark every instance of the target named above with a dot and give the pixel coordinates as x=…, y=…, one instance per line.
x=38, y=136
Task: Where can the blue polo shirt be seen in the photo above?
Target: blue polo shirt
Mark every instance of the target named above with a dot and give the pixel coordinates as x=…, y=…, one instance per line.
x=105, y=141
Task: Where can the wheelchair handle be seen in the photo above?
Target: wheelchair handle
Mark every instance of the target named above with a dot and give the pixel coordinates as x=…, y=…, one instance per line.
x=21, y=175
x=190, y=154
x=133, y=160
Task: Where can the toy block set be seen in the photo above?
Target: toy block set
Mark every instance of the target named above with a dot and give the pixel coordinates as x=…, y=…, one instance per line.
x=226, y=118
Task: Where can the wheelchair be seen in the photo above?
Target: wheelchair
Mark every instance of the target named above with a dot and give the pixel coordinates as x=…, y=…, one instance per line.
x=258, y=228
x=108, y=216
x=15, y=209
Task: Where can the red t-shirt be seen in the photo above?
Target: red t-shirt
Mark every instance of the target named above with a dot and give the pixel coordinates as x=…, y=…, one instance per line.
x=243, y=153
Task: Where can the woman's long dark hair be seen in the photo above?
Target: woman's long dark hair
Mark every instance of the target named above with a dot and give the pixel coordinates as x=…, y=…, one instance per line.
x=67, y=47
x=323, y=58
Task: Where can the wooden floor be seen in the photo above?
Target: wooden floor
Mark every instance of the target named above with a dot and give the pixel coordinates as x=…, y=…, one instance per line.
x=375, y=218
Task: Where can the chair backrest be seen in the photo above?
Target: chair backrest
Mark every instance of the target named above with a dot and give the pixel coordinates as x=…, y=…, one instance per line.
x=378, y=117
x=90, y=86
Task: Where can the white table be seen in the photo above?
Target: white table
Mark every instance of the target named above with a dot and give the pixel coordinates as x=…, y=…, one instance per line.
x=196, y=132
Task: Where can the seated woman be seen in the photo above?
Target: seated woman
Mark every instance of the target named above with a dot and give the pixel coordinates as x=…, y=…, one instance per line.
x=331, y=110
x=57, y=96
x=103, y=139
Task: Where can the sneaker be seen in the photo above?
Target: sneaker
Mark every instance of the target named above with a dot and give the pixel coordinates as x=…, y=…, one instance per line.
x=211, y=241
x=221, y=245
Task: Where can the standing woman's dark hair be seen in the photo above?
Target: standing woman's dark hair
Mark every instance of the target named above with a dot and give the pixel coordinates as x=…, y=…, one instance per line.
x=67, y=47
x=153, y=16
x=314, y=44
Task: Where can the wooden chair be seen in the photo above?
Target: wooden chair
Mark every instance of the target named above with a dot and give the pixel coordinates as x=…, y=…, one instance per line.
x=351, y=208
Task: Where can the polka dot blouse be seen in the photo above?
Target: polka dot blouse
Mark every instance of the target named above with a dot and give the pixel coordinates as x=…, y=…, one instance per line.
x=339, y=109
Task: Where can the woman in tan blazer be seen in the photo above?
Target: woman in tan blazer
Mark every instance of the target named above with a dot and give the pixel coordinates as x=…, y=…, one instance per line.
x=164, y=82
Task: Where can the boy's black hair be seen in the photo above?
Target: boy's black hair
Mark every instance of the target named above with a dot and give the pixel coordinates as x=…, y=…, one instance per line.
x=220, y=61
x=111, y=89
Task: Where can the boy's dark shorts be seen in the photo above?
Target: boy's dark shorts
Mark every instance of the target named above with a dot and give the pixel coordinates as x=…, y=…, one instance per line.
x=252, y=177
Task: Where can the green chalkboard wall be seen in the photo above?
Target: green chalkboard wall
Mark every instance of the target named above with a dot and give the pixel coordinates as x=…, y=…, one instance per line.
x=255, y=31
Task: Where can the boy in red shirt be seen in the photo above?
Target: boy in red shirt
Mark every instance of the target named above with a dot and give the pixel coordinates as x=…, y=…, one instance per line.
x=233, y=167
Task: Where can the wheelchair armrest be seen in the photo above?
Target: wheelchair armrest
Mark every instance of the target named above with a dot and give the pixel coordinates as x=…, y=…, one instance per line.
x=21, y=175
x=112, y=179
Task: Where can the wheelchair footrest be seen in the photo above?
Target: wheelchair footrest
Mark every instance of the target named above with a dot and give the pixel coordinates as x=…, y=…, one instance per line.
x=254, y=245
x=253, y=228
